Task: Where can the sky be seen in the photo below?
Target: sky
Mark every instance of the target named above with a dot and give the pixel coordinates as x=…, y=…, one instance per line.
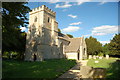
x=97, y=19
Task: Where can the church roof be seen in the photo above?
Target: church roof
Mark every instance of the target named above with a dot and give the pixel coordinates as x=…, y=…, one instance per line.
x=74, y=45
x=63, y=36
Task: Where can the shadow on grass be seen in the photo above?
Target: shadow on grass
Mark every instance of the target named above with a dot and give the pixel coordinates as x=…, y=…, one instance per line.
x=45, y=70
x=113, y=71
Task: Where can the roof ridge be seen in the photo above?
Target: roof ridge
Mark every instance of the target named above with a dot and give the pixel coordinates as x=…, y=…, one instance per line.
x=75, y=38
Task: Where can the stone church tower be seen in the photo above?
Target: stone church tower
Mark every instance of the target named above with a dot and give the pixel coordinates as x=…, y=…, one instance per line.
x=42, y=36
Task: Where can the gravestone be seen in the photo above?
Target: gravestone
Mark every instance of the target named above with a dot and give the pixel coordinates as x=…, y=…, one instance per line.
x=107, y=56
x=90, y=57
x=100, y=57
x=96, y=61
x=94, y=57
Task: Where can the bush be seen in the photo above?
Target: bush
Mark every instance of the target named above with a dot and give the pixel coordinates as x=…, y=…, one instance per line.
x=106, y=53
x=11, y=55
x=6, y=55
x=100, y=54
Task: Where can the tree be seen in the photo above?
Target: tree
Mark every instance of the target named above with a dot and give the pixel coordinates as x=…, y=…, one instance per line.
x=94, y=47
x=105, y=49
x=14, y=16
x=59, y=30
x=71, y=36
x=114, y=45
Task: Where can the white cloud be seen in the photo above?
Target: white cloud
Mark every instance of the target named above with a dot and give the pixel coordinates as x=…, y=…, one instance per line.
x=88, y=35
x=76, y=23
x=103, y=2
x=23, y=28
x=71, y=29
x=104, y=30
x=104, y=42
x=72, y=16
x=82, y=1
x=66, y=5
x=54, y=1
x=78, y=2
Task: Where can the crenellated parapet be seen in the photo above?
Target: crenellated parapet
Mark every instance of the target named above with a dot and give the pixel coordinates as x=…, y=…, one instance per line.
x=43, y=8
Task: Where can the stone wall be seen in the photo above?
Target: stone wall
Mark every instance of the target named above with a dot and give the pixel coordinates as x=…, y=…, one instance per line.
x=83, y=49
x=72, y=56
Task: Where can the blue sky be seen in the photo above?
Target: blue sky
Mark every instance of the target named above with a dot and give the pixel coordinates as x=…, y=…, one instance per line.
x=96, y=19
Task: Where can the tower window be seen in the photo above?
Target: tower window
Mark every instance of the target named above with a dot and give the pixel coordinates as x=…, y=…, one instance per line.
x=48, y=19
x=35, y=19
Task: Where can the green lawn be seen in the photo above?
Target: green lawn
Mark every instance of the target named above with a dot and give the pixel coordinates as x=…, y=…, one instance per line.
x=44, y=69
x=112, y=66
x=103, y=63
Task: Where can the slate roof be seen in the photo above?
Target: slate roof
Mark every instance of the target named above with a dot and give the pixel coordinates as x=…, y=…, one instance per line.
x=74, y=45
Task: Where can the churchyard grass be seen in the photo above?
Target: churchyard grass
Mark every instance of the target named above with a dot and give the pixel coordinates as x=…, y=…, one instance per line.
x=44, y=69
x=112, y=66
x=102, y=63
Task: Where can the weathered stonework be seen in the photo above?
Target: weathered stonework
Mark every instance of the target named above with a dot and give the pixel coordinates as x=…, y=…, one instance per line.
x=42, y=35
x=43, y=41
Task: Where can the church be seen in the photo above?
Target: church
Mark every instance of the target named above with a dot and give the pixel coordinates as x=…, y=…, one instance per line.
x=43, y=40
